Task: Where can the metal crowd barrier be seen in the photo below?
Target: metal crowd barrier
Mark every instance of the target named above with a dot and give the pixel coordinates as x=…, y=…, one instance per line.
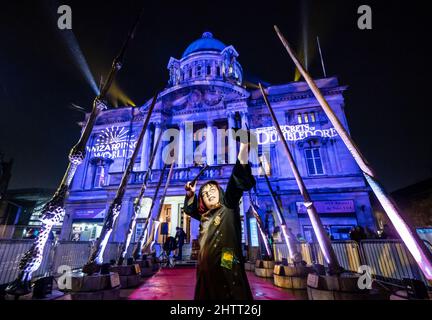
x=280, y=251
x=346, y=252
x=74, y=254
x=11, y=252
x=68, y=253
x=389, y=260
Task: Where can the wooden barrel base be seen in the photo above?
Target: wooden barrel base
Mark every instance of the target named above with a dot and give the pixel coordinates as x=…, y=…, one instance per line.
x=95, y=282
x=249, y=266
x=339, y=288
x=403, y=295
x=146, y=263
x=263, y=272
x=147, y=272
x=95, y=286
x=129, y=275
x=292, y=271
x=109, y=294
x=290, y=282
x=131, y=281
x=128, y=270
x=264, y=268
x=316, y=294
x=264, y=264
x=291, y=277
x=148, y=267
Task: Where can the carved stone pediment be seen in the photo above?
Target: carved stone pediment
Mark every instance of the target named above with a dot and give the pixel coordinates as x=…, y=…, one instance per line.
x=192, y=99
x=260, y=119
x=114, y=116
x=197, y=98
x=212, y=97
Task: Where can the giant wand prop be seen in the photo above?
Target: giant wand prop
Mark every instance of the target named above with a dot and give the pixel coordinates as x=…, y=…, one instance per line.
x=264, y=236
x=137, y=204
x=323, y=239
x=53, y=212
x=96, y=256
x=415, y=245
x=152, y=236
x=137, y=251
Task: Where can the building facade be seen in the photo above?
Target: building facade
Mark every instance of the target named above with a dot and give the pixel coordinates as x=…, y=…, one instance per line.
x=204, y=99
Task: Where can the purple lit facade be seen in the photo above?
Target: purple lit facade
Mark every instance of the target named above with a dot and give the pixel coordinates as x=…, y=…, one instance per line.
x=205, y=94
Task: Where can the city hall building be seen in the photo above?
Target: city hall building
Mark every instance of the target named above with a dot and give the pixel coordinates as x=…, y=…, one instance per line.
x=204, y=98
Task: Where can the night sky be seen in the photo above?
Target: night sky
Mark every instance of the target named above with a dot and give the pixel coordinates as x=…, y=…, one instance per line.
x=387, y=103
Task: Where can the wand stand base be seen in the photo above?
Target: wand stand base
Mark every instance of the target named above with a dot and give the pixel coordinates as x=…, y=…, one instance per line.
x=264, y=268
x=130, y=275
x=95, y=287
x=149, y=266
x=291, y=277
x=340, y=287
x=250, y=266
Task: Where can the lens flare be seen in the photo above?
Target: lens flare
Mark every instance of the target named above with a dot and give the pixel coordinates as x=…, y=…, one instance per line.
x=119, y=97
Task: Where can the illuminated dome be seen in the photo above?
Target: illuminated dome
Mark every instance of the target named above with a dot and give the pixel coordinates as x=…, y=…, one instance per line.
x=206, y=59
x=206, y=43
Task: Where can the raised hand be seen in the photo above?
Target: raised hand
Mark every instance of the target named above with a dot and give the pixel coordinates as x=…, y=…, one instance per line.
x=190, y=189
x=248, y=142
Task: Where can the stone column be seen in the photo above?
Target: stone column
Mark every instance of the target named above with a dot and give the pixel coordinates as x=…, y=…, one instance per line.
x=210, y=143
x=181, y=146
x=145, y=156
x=253, y=154
x=244, y=119
x=157, y=160
x=188, y=147
x=232, y=148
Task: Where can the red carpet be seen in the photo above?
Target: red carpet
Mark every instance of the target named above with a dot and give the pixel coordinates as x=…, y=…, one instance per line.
x=179, y=284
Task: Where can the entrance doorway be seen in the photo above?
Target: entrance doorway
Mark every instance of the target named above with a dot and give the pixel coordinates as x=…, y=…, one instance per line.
x=185, y=224
x=86, y=230
x=336, y=232
x=164, y=218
